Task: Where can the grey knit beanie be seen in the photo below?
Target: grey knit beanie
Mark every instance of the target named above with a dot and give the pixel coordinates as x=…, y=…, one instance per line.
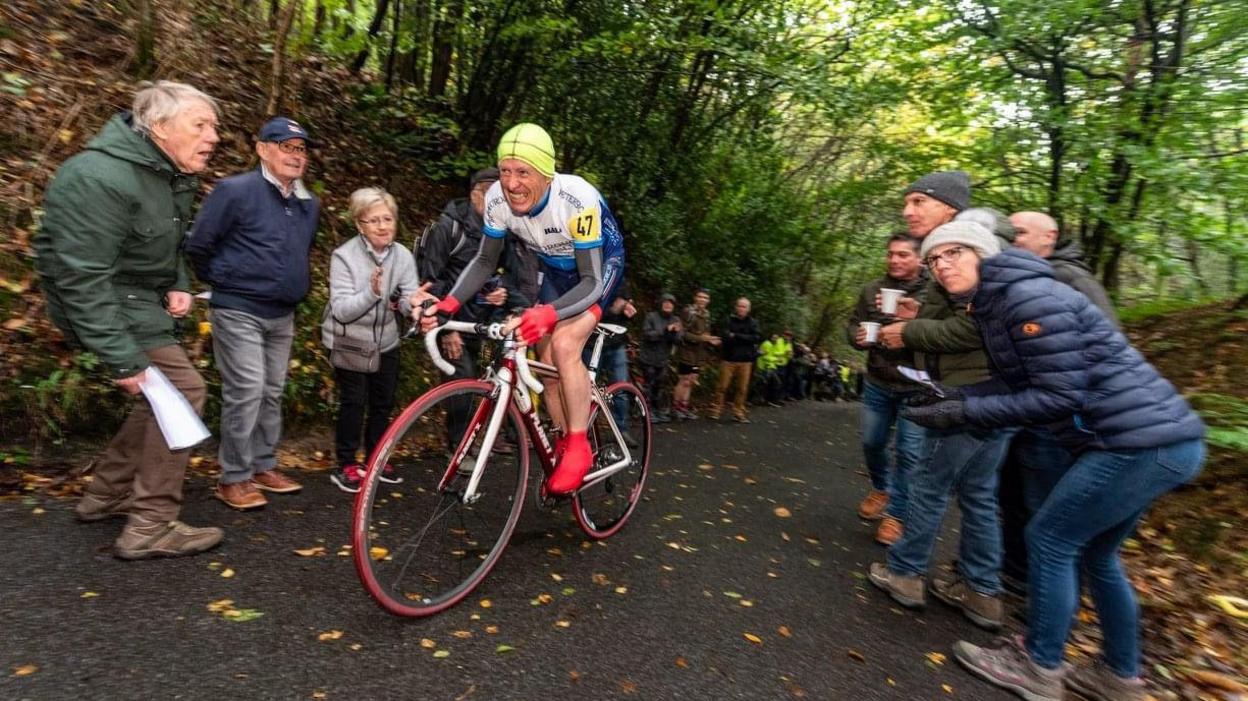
x=953, y=187
x=995, y=221
x=966, y=233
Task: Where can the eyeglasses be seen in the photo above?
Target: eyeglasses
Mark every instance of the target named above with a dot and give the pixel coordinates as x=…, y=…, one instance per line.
x=949, y=256
x=289, y=148
x=377, y=221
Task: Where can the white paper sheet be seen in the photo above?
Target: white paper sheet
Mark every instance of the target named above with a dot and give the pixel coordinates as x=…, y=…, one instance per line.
x=178, y=421
x=921, y=377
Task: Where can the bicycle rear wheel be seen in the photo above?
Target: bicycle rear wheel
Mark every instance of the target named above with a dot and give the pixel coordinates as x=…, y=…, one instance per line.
x=418, y=547
x=602, y=507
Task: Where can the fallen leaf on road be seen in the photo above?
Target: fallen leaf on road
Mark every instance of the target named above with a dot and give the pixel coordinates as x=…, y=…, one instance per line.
x=329, y=635
x=784, y=631
x=242, y=615
x=486, y=603
x=311, y=552
x=227, y=572
x=491, y=629
x=462, y=634
x=783, y=512
x=563, y=624
x=740, y=537
x=706, y=466
x=628, y=686
x=25, y=670
x=442, y=653
x=427, y=643
x=356, y=646
x=318, y=694
x=504, y=648
x=377, y=552
x=855, y=655
x=948, y=689
x=936, y=658
x=753, y=638
x=556, y=577
x=682, y=663
x=1216, y=681
x=89, y=595
x=747, y=603
x=732, y=595
x=220, y=605
x=621, y=590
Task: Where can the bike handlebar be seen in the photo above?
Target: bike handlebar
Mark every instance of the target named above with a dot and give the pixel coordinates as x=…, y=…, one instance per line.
x=493, y=331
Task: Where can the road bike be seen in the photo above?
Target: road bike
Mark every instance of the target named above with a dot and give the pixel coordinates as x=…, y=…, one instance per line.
x=463, y=451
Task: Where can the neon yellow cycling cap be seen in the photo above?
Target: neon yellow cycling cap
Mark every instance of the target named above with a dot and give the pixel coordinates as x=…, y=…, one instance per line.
x=531, y=144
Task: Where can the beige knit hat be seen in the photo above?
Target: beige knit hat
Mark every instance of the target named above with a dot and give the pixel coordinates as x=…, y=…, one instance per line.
x=967, y=233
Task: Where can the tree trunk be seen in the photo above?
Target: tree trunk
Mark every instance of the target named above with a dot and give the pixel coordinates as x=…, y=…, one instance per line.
x=444, y=35
x=394, y=43
x=275, y=8
x=144, y=64
x=277, y=87
x=374, y=28
x=319, y=23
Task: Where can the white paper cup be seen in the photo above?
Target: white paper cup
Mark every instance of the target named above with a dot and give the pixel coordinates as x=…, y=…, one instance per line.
x=873, y=330
x=888, y=300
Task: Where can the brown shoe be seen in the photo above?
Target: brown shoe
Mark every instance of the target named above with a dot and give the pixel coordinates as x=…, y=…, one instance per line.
x=984, y=610
x=240, y=495
x=276, y=482
x=97, y=507
x=889, y=532
x=873, y=506
x=141, y=539
x=906, y=590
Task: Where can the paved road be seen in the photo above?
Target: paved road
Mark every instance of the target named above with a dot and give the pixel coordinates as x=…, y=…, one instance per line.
x=652, y=614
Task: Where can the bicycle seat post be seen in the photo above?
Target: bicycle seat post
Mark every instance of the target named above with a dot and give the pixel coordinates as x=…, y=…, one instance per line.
x=596, y=355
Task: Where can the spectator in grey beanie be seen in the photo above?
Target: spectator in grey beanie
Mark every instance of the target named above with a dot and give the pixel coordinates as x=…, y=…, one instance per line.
x=953, y=187
x=966, y=233
x=994, y=221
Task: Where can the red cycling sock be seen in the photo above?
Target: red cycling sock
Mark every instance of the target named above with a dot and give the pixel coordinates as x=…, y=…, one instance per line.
x=573, y=465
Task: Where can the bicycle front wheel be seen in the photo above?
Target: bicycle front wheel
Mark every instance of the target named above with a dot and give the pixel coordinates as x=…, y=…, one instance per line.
x=422, y=545
x=603, y=506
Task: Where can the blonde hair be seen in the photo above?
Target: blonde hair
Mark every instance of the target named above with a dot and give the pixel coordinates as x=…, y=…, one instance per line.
x=162, y=100
x=364, y=198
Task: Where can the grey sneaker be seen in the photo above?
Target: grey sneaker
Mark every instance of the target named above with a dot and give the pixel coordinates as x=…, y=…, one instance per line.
x=983, y=610
x=97, y=507
x=1097, y=682
x=905, y=590
x=142, y=539
x=1010, y=667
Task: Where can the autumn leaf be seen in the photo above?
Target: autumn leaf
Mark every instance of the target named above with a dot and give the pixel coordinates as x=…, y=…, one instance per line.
x=753, y=638
x=782, y=512
x=936, y=658
x=784, y=632
x=462, y=634
x=486, y=603
x=492, y=630
x=311, y=552
x=427, y=643
x=855, y=655
x=563, y=624
x=682, y=663
x=948, y=689
x=377, y=552
x=221, y=605
x=441, y=654
x=25, y=670
x=89, y=595
x=227, y=573
x=242, y=615
x=504, y=648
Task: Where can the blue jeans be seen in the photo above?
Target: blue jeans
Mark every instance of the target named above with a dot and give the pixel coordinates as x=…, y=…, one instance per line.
x=965, y=461
x=1034, y=464
x=613, y=367
x=879, y=413
x=1091, y=510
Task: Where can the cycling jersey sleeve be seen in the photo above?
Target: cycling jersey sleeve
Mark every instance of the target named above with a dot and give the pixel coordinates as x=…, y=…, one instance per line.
x=588, y=290
x=478, y=270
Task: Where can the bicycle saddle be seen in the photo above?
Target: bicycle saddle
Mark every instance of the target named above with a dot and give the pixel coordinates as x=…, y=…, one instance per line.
x=610, y=330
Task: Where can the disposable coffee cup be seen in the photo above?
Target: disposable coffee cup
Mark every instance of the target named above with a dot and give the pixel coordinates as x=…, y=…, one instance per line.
x=888, y=300
x=873, y=331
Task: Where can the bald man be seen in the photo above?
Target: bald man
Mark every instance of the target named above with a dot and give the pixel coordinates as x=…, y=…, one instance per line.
x=1038, y=233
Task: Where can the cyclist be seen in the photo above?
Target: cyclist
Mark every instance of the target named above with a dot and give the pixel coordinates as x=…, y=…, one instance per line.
x=565, y=221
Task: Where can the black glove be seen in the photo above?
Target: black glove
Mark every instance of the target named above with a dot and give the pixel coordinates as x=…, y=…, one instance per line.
x=926, y=396
x=944, y=414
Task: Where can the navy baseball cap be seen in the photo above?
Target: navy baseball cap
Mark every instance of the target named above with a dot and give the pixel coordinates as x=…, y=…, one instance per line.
x=281, y=129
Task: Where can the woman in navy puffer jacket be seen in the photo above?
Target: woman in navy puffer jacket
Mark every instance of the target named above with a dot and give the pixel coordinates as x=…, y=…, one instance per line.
x=1057, y=362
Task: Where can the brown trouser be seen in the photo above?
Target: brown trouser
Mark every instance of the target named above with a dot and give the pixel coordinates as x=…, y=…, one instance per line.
x=138, y=460
x=726, y=372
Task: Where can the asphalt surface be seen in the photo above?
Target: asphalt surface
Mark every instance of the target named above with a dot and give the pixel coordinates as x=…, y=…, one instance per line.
x=661, y=611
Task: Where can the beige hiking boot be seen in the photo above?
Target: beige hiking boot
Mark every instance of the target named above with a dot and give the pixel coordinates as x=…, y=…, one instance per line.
x=1099, y=683
x=873, y=506
x=984, y=610
x=905, y=590
x=142, y=539
x=97, y=507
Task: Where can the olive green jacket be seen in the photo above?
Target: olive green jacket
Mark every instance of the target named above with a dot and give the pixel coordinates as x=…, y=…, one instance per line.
x=945, y=341
x=110, y=246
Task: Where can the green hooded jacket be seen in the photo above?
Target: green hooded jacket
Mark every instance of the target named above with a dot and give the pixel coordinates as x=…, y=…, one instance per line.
x=110, y=246
x=945, y=340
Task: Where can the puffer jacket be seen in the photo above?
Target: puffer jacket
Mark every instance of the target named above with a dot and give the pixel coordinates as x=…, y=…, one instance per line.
x=110, y=246
x=1066, y=367
x=353, y=309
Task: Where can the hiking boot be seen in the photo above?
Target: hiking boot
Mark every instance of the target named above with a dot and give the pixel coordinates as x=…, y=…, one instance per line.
x=873, y=506
x=743, y=419
x=1010, y=667
x=390, y=476
x=905, y=589
x=984, y=610
x=348, y=478
x=141, y=539
x=276, y=482
x=889, y=531
x=1097, y=682
x=97, y=507
x=240, y=495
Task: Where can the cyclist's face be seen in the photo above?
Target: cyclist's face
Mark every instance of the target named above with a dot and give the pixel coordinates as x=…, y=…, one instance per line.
x=903, y=261
x=522, y=184
x=923, y=213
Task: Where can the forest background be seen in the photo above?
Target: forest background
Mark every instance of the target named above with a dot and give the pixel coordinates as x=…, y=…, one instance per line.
x=753, y=147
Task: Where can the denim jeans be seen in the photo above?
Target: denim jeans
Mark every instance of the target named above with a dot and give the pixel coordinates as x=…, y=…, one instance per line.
x=1033, y=466
x=612, y=368
x=879, y=413
x=965, y=461
x=1091, y=510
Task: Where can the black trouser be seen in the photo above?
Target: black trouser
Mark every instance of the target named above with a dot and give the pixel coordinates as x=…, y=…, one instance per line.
x=358, y=391
x=654, y=376
x=1014, y=517
x=460, y=409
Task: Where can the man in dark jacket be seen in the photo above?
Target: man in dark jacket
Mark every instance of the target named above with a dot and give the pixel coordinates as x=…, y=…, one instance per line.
x=1037, y=232
x=740, y=347
x=109, y=257
x=884, y=389
x=251, y=243
x=662, y=330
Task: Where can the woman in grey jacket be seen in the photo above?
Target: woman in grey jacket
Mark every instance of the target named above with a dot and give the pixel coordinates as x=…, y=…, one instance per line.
x=370, y=278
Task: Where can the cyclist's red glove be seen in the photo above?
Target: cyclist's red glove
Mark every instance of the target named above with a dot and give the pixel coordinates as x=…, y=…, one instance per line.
x=537, y=322
x=448, y=305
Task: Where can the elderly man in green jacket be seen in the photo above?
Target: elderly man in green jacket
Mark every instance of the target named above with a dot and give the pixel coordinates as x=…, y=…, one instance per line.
x=109, y=254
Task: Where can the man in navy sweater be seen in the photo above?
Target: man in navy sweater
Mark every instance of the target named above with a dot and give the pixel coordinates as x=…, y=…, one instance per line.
x=251, y=242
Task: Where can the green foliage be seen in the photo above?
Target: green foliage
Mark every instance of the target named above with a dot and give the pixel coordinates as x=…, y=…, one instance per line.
x=1228, y=420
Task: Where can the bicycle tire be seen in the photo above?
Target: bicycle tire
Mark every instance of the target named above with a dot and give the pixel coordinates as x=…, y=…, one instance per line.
x=419, y=550
x=602, y=508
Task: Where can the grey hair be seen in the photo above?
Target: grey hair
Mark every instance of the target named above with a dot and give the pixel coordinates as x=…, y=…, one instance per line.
x=365, y=197
x=163, y=100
